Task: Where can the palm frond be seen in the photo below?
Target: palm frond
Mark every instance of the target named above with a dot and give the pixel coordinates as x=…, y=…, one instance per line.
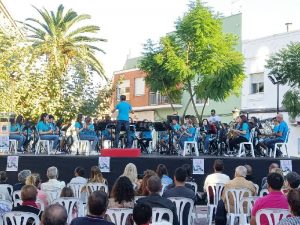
x=84, y=29
x=86, y=39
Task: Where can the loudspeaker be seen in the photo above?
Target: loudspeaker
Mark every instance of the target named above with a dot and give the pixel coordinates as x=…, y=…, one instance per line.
x=121, y=152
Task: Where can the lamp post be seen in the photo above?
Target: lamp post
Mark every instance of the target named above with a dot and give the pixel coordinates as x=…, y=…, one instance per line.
x=275, y=81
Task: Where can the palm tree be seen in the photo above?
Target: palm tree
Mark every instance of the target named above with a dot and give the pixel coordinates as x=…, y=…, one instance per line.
x=66, y=46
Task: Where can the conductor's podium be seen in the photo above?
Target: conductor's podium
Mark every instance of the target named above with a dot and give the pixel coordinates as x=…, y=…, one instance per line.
x=121, y=152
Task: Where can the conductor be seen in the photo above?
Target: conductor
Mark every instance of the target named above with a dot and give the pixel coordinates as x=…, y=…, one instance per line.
x=124, y=109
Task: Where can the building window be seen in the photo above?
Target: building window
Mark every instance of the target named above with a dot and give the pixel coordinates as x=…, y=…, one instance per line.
x=123, y=89
x=139, y=86
x=155, y=98
x=257, y=83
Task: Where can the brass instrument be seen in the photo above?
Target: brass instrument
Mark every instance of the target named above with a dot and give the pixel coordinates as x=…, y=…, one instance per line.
x=231, y=133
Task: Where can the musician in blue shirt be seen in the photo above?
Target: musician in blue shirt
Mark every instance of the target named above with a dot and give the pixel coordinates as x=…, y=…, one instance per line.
x=45, y=131
x=124, y=109
x=242, y=132
x=53, y=125
x=188, y=133
x=16, y=127
x=86, y=131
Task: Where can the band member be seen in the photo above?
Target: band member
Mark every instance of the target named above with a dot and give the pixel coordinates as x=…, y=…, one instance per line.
x=242, y=131
x=45, y=131
x=124, y=109
x=214, y=118
x=207, y=129
x=188, y=134
x=86, y=131
x=145, y=136
x=53, y=125
x=16, y=127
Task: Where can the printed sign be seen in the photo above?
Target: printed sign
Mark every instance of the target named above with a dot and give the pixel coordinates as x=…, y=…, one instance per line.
x=286, y=166
x=104, y=164
x=12, y=163
x=4, y=136
x=198, y=166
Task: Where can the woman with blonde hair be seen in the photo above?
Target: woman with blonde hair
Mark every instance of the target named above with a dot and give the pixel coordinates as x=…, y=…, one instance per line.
x=96, y=176
x=130, y=171
x=35, y=180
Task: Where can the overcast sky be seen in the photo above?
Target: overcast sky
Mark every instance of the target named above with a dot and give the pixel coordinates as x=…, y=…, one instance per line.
x=127, y=24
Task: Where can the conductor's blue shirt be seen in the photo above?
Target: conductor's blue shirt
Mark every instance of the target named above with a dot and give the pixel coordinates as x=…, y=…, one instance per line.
x=124, y=110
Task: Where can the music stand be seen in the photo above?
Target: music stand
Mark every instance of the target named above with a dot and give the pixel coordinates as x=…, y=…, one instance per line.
x=143, y=126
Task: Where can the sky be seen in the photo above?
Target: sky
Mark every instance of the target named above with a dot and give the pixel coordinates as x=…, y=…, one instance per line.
x=127, y=24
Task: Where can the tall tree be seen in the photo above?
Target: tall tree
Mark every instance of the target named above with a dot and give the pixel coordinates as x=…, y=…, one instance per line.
x=285, y=66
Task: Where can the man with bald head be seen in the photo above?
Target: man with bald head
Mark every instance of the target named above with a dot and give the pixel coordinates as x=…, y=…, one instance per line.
x=54, y=215
x=280, y=136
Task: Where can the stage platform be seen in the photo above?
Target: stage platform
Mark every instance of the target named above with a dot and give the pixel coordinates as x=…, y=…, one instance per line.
x=67, y=163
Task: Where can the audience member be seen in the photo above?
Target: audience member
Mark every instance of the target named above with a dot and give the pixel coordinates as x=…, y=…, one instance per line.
x=28, y=197
x=143, y=191
x=155, y=200
x=35, y=180
x=275, y=198
x=97, y=206
x=79, y=176
x=3, y=177
x=53, y=183
x=249, y=175
x=239, y=181
x=264, y=180
x=189, y=172
x=292, y=180
x=54, y=215
x=162, y=173
x=130, y=171
x=122, y=195
x=218, y=177
x=66, y=192
x=142, y=214
x=22, y=175
x=293, y=198
x=96, y=176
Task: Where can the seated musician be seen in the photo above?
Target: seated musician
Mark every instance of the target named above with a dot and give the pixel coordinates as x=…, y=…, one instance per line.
x=242, y=132
x=188, y=133
x=28, y=132
x=86, y=131
x=53, y=126
x=164, y=136
x=146, y=136
x=207, y=129
x=16, y=127
x=45, y=131
x=132, y=128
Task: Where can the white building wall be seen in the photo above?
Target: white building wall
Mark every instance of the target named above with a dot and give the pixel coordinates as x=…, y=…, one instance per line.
x=256, y=52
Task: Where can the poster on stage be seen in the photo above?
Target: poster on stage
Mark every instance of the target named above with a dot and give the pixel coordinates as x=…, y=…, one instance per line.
x=286, y=166
x=198, y=166
x=12, y=163
x=4, y=136
x=104, y=164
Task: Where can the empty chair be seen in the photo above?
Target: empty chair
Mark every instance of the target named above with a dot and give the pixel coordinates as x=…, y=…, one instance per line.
x=273, y=215
x=181, y=203
x=159, y=213
x=214, y=193
x=119, y=216
x=20, y=218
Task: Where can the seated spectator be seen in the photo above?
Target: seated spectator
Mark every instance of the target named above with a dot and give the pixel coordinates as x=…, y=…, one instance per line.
x=53, y=183
x=54, y=215
x=122, y=195
x=130, y=171
x=79, y=176
x=293, y=198
x=143, y=191
x=3, y=177
x=162, y=173
x=249, y=175
x=96, y=176
x=142, y=214
x=189, y=173
x=264, y=180
x=275, y=198
x=239, y=181
x=66, y=192
x=218, y=177
x=155, y=200
x=35, y=180
x=28, y=196
x=292, y=180
x=97, y=206
x=22, y=175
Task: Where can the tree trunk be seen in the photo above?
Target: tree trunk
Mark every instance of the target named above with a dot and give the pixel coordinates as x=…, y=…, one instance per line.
x=171, y=102
x=203, y=109
x=193, y=101
x=187, y=105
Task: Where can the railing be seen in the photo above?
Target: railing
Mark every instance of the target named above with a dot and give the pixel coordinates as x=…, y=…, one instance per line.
x=155, y=98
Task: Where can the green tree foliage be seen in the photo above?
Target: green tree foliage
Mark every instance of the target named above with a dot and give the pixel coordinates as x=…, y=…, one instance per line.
x=198, y=56
x=285, y=66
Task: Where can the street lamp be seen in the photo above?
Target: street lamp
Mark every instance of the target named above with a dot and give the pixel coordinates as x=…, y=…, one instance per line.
x=275, y=81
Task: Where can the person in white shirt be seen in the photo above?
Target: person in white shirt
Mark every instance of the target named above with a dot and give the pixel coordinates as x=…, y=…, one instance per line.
x=213, y=118
x=218, y=177
x=79, y=179
x=53, y=183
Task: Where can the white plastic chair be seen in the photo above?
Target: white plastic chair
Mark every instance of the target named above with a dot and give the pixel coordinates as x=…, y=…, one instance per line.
x=138, y=197
x=91, y=187
x=250, y=143
x=237, y=194
x=17, y=202
x=16, y=195
x=181, y=203
x=76, y=188
x=250, y=203
x=162, y=223
x=40, y=203
x=263, y=192
x=273, y=215
x=194, y=185
x=2, y=196
x=20, y=218
x=70, y=204
x=280, y=145
x=43, y=144
x=256, y=188
x=13, y=145
x=119, y=215
x=158, y=213
x=7, y=190
x=7, y=203
x=217, y=193
x=52, y=194
x=192, y=143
